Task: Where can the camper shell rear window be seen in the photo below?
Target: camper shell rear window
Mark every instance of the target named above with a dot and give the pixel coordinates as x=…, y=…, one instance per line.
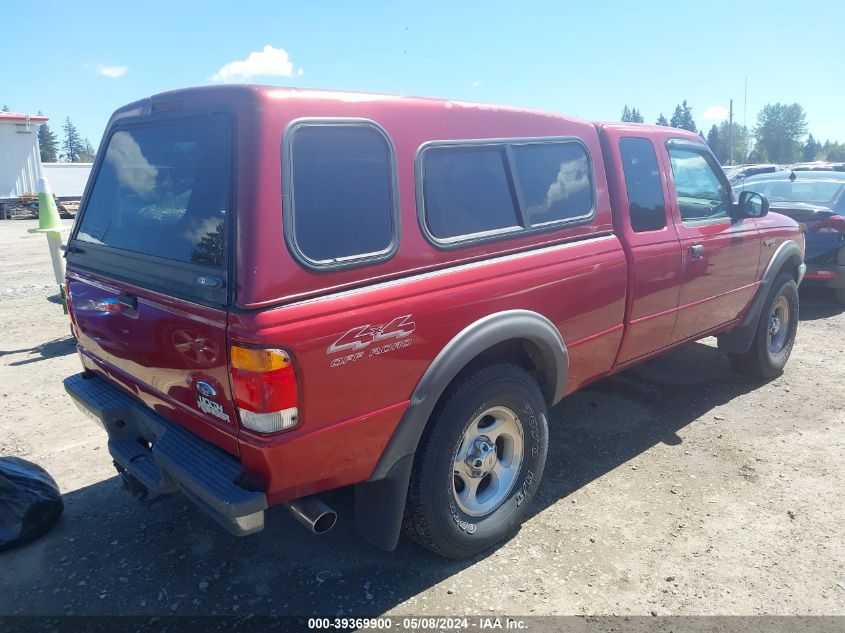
x=163, y=190
x=158, y=210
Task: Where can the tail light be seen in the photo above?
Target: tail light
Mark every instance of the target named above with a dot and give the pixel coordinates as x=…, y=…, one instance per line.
x=264, y=384
x=836, y=222
x=69, y=304
x=822, y=274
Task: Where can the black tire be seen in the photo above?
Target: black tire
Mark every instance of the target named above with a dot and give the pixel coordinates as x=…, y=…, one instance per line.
x=433, y=517
x=839, y=293
x=760, y=361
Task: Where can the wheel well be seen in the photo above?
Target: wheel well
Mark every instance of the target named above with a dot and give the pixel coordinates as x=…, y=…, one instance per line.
x=518, y=351
x=790, y=266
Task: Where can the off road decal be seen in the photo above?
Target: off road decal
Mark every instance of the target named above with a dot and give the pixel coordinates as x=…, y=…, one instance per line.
x=359, y=340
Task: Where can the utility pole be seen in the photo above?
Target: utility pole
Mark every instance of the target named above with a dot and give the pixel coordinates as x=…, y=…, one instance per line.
x=745, y=122
x=745, y=105
x=731, y=135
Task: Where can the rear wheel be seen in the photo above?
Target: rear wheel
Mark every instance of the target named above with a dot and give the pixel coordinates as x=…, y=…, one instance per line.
x=776, y=332
x=479, y=463
x=840, y=295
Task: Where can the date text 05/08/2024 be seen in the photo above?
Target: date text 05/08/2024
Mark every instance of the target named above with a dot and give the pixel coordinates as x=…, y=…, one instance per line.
x=419, y=623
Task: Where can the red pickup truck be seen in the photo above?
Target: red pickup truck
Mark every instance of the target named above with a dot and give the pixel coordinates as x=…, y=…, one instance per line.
x=281, y=292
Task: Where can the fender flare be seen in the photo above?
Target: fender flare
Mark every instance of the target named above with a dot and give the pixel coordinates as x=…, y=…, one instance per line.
x=380, y=501
x=739, y=340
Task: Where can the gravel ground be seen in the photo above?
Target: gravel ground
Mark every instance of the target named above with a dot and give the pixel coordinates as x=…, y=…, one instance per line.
x=673, y=488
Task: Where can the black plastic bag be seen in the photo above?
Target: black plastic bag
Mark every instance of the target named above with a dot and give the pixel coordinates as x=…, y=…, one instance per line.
x=30, y=502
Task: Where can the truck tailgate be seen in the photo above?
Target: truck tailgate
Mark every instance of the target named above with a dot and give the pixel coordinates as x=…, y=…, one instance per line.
x=168, y=353
x=148, y=268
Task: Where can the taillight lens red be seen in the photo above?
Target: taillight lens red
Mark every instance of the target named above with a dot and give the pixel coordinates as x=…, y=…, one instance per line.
x=265, y=392
x=265, y=389
x=69, y=304
x=836, y=222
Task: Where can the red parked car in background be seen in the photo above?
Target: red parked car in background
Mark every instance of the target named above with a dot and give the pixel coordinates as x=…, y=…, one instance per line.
x=280, y=292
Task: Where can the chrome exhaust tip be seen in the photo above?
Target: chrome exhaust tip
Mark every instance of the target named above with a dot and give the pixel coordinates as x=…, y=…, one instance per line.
x=313, y=514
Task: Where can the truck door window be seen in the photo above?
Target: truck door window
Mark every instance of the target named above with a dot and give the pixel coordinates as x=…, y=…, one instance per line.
x=701, y=194
x=642, y=181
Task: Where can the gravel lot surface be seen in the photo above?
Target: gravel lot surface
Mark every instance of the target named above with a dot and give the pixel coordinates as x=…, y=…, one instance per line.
x=673, y=488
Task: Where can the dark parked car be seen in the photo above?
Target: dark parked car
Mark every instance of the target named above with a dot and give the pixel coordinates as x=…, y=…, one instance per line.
x=738, y=173
x=816, y=199
x=817, y=166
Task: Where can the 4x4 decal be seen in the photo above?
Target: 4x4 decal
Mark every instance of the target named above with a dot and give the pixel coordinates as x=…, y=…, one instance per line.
x=365, y=336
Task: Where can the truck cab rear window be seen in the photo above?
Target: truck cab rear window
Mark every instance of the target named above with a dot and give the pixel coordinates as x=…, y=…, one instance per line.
x=341, y=207
x=163, y=189
x=642, y=180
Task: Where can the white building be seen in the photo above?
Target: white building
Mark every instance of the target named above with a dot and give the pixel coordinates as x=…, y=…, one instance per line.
x=67, y=180
x=20, y=160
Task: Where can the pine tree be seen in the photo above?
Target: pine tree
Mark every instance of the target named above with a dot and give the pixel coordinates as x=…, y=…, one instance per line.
x=682, y=117
x=836, y=153
x=87, y=153
x=715, y=142
x=677, y=119
x=689, y=122
x=47, y=143
x=661, y=120
x=72, y=145
x=209, y=251
x=812, y=148
x=631, y=115
x=6, y=108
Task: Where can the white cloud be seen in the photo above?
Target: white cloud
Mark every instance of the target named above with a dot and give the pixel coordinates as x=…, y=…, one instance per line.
x=269, y=62
x=477, y=84
x=715, y=113
x=112, y=71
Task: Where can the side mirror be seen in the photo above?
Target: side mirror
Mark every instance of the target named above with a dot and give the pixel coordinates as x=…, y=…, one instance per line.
x=752, y=205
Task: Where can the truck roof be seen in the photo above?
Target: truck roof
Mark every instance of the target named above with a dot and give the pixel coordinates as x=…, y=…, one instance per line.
x=315, y=96
x=648, y=129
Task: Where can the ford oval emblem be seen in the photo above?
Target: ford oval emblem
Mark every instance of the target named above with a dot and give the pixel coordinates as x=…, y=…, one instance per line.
x=205, y=389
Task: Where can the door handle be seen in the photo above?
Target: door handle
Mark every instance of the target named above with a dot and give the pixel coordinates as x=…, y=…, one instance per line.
x=696, y=250
x=128, y=301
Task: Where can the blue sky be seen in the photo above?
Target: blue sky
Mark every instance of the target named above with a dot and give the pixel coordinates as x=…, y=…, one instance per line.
x=588, y=59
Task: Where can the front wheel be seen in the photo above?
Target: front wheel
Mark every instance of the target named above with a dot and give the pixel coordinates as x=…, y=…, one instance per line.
x=775, y=334
x=479, y=463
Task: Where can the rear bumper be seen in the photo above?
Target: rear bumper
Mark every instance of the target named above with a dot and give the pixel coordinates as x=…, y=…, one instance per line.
x=164, y=458
x=825, y=275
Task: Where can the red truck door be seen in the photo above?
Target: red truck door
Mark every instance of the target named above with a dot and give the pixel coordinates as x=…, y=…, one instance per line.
x=720, y=254
x=639, y=195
